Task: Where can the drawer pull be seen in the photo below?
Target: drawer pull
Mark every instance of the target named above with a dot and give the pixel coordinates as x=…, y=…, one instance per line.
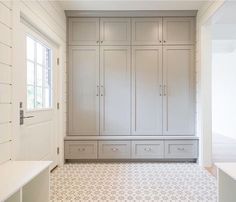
x=180, y=149
x=114, y=149
x=81, y=149
x=147, y=149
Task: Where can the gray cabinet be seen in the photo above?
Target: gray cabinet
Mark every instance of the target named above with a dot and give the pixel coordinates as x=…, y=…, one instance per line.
x=178, y=90
x=147, y=95
x=115, y=31
x=146, y=31
x=83, y=31
x=185, y=149
x=114, y=150
x=178, y=30
x=152, y=149
x=84, y=90
x=80, y=149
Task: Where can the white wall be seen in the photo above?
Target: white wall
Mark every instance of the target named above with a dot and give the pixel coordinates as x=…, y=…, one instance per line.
x=203, y=68
x=5, y=80
x=49, y=18
x=224, y=89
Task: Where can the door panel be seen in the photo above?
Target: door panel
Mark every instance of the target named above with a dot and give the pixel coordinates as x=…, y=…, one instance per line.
x=115, y=90
x=178, y=31
x=38, y=135
x=84, y=31
x=84, y=90
x=115, y=31
x=146, y=31
x=147, y=98
x=178, y=108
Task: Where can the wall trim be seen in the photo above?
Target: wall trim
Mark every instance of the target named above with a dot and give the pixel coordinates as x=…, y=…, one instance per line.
x=141, y=13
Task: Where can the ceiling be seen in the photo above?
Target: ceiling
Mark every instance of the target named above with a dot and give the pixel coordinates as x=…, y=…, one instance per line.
x=132, y=4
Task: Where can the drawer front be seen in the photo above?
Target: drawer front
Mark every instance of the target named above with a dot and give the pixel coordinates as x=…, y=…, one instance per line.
x=80, y=149
x=181, y=149
x=114, y=150
x=147, y=149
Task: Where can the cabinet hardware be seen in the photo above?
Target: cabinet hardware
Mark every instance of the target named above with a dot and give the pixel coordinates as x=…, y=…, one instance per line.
x=101, y=41
x=160, y=90
x=147, y=149
x=97, y=41
x=98, y=90
x=81, y=149
x=180, y=149
x=103, y=91
x=114, y=149
x=164, y=41
x=165, y=90
x=160, y=41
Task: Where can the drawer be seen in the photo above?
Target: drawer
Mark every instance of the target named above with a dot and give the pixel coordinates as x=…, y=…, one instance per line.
x=80, y=149
x=114, y=150
x=181, y=149
x=147, y=149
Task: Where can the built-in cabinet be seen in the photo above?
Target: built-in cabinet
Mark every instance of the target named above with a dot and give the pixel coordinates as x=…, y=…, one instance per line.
x=130, y=77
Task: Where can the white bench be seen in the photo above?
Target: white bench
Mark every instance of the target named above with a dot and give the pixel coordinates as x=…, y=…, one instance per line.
x=226, y=176
x=24, y=181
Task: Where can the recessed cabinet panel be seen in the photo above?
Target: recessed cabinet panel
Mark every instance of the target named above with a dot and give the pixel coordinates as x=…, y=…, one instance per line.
x=84, y=31
x=147, y=90
x=146, y=31
x=115, y=31
x=178, y=31
x=114, y=150
x=80, y=149
x=84, y=90
x=115, y=90
x=147, y=149
x=178, y=95
x=175, y=149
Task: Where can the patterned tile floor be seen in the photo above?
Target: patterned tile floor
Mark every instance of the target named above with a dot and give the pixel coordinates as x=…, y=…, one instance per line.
x=167, y=182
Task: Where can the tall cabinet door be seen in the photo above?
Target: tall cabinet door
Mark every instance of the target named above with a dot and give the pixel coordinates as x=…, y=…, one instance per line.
x=115, y=90
x=115, y=31
x=178, y=104
x=83, y=31
x=84, y=90
x=147, y=92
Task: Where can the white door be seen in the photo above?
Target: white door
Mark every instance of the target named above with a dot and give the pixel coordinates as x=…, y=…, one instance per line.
x=115, y=31
x=178, y=30
x=146, y=31
x=147, y=90
x=37, y=94
x=178, y=100
x=83, y=31
x=84, y=90
x=115, y=90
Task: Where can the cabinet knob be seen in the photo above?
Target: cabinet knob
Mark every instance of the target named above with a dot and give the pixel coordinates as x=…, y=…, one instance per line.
x=160, y=41
x=97, y=41
x=101, y=41
x=164, y=41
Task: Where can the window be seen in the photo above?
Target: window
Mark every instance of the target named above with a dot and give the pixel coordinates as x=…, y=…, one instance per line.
x=39, y=75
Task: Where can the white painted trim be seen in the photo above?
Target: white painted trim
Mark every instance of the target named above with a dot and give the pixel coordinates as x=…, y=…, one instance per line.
x=203, y=60
x=156, y=13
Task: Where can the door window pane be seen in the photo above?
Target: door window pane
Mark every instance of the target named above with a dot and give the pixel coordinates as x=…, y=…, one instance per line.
x=39, y=75
x=30, y=73
x=30, y=97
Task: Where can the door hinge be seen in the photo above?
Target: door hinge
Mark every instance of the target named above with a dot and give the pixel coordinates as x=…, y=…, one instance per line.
x=58, y=61
x=58, y=150
x=58, y=105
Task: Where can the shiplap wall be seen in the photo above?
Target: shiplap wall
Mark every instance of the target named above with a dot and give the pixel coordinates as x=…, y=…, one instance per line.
x=50, y=18
x=5, y=80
